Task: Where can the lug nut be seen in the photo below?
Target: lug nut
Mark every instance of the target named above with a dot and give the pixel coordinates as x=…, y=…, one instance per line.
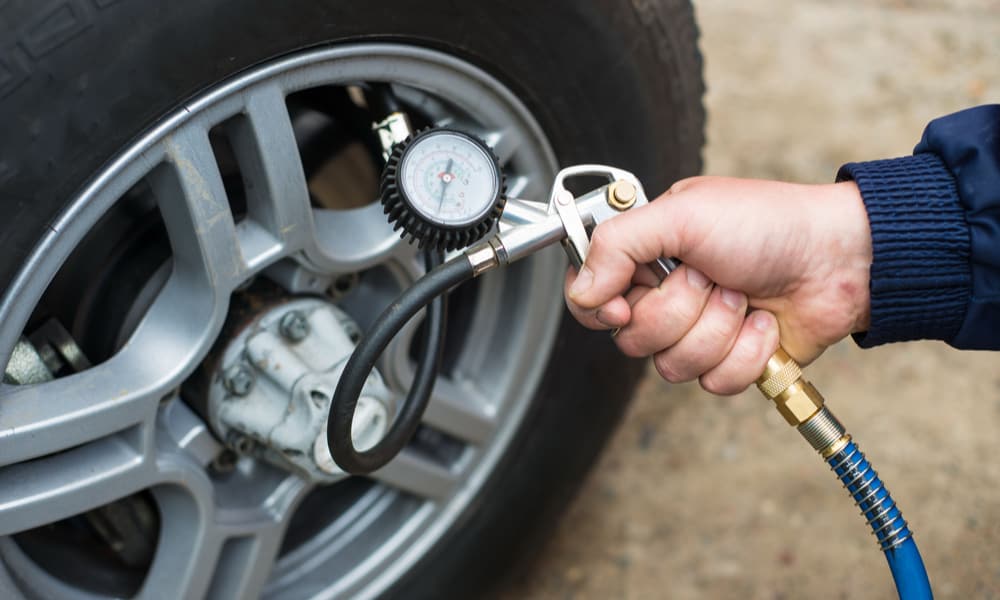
x=240, y=443
x=238, y=380
x=294, y=325
x=224, y=462
x=343, y=284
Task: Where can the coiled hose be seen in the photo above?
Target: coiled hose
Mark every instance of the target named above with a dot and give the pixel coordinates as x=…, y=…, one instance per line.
x=427, y=291
x=887, y=522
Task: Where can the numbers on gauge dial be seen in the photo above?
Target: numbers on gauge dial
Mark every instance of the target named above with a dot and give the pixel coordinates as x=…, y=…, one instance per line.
x=449, y=179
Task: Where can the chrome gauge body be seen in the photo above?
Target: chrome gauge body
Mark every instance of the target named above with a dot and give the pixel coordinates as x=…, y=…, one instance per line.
x=443, y=188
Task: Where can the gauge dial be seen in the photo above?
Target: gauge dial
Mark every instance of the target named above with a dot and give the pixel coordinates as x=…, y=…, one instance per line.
x=449, y=178
x=443, y=187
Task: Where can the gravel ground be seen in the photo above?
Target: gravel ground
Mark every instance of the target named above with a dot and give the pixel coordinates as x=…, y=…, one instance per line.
x=705, y=497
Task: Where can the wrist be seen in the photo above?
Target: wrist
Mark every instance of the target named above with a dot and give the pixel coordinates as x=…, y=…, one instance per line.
x=851, y=251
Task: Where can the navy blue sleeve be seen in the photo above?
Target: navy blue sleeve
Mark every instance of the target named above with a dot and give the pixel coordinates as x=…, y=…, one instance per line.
x=935, y=221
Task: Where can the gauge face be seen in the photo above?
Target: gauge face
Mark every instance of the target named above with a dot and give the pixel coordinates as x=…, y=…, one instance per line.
x=449, y=179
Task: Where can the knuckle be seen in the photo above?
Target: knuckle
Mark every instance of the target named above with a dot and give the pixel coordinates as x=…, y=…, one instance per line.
x=743, y=354
x=651, y=330
x=736, y=372
x=719, y=334
x=683, y=307
x=683, y=184
x=712, y=384
x=628, y=346
x=666, y=370
x=719, y=330
x=720, y=384
x=689, y=183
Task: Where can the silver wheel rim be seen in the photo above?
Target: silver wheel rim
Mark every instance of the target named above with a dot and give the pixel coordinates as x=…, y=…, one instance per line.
x=83, y=440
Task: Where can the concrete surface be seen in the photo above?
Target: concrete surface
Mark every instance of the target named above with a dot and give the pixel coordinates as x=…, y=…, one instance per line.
x=706, y=497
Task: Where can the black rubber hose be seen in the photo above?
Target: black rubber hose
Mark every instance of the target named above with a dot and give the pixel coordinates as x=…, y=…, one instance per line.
x=427, y=291
x=381, y=100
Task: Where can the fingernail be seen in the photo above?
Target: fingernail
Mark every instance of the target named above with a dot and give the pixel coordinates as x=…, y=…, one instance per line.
x=760, y=321
x=602, y=318
x=584, y=279
x=732, y=298
x=697, y=279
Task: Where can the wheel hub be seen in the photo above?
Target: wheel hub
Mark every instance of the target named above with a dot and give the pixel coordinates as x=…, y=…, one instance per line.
x=270, y=396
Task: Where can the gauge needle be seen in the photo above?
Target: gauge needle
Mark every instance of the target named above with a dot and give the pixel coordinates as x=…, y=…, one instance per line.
x=444, y=182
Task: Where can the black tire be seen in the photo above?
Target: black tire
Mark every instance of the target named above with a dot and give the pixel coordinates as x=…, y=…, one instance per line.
x=618, y=83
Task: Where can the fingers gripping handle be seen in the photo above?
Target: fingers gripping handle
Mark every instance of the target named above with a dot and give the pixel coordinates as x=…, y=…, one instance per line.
x=781, y=382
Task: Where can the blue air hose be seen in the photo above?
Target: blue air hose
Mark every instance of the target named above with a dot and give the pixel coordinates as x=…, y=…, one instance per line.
x=804, y=408
x=887, y=522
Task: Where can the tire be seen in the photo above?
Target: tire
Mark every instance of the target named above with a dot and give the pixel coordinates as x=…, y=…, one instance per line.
x=618, y=83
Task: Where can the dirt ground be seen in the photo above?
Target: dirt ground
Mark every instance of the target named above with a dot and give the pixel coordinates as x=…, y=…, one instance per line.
x=702, y=497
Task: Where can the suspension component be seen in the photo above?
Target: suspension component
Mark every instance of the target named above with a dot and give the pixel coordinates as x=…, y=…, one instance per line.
x=276, y=379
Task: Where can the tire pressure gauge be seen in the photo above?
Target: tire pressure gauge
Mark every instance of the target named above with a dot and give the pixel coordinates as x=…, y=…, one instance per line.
x=443, y=188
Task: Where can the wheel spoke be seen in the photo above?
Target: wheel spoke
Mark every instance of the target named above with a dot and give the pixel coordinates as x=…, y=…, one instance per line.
x=45, y=418
x=188, y=431
x=418, y=475
x=55, y=487
x=196, y=212
x=245, y=564
x=504, y=142
x=529, y=188
x=277, y=197
x=395, y=364
x=188, y=549
x=460, y=410
x=210, y=547
x=354, y=239
x=8, y=587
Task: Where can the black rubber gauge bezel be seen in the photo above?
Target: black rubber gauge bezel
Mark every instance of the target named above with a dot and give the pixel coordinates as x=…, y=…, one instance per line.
x=426, y=233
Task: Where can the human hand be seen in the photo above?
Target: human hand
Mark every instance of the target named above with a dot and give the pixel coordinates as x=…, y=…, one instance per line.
x=797, y=256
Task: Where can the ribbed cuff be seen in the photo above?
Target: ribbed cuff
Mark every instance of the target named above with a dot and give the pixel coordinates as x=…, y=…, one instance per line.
x=920, y=273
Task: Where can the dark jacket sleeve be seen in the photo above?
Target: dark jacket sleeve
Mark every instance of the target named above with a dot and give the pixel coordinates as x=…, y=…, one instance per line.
x=935, y=221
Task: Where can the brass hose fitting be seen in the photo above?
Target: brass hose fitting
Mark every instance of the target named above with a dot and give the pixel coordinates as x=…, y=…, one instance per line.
x=794, y=397
x=801, y=404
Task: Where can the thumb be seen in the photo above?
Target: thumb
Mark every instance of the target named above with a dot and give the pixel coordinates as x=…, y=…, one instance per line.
x=618, y=246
